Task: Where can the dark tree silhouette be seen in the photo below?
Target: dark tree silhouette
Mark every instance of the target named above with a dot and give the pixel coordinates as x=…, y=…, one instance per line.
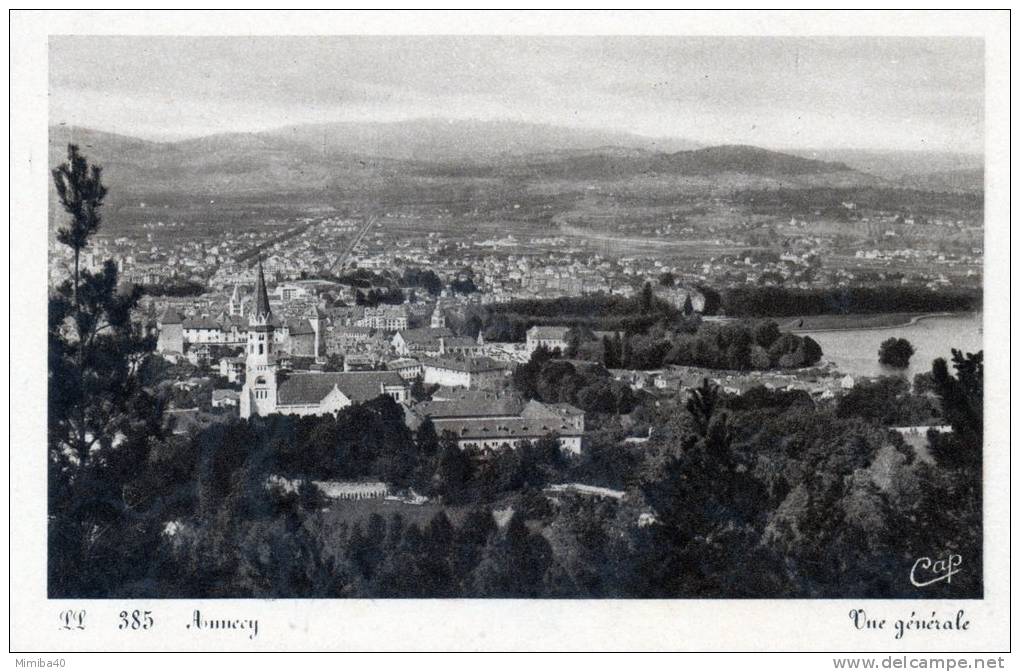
x=895, y=352
x=962, y=399
x=102, y=421
x=702, y=405
x=688, y=308
x=80, y=189
x=453, y=470
x=708, y=509
x=647, y=298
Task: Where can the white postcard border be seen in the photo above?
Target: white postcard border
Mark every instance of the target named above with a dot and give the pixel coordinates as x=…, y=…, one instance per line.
x=766, y=625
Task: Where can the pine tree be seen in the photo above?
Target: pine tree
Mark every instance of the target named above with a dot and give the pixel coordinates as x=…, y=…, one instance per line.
x=962, y=398
x=102, y=421
x=688, y=306
x=702, y=404
x=80, y=189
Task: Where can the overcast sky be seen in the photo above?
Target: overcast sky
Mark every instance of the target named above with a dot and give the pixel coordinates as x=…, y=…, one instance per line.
x=871, y=93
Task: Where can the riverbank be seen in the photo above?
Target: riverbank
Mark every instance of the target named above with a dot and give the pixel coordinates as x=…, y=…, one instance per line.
x=816, y=323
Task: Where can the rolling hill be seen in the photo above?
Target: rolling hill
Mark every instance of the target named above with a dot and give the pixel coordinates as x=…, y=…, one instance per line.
x=315, y=159
x=447, y=140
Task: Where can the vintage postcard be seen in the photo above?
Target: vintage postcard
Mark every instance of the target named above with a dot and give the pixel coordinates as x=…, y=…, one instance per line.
x=514, y=331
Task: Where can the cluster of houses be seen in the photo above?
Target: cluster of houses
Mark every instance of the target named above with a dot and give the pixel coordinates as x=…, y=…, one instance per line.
x=472, y=404
x=431, y=354
x=302, y=337
x=820, y=383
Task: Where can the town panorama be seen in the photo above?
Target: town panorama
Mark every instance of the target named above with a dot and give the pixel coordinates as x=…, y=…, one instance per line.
x=455, y=357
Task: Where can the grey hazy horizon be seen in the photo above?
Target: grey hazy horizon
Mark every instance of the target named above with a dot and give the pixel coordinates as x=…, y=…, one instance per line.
x=875, y=94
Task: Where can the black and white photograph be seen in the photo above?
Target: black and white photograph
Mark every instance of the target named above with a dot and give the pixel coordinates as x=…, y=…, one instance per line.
x=562, y=317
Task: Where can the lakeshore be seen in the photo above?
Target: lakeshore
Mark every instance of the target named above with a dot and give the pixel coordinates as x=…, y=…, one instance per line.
x=851, y=322
x=855, y=350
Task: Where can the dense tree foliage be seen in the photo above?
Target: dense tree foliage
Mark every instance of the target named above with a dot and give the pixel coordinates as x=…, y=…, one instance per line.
x=379, y=295
x=463, y=286
x=510, y=321
x=426, y=279
x=590, y=388
x=176, y=288
x=764, y=495
x=748, y=301
x=962, y=398
x=713, y=299
x=362, y=278
x=740, y=346
x=895, y=352
x=887, y=401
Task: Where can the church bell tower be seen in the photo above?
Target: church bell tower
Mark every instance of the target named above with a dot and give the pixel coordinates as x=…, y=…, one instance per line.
x=259, y=394
x=236, y=307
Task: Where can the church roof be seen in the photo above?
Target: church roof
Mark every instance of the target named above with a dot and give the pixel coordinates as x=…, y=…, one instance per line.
x=358, y=386
x=204, y=322
x=299, y=327
x=170, y=316
x=424, y=334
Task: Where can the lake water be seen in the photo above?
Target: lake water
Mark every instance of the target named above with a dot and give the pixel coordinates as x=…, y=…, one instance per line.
x=855, y=351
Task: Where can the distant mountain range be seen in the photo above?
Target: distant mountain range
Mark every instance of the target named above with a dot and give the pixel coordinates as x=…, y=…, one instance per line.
x=723, y=159
x=459, y=140
x=367, y=156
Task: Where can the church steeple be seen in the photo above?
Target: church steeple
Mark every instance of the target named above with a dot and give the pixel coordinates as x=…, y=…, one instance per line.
x=259, y=394
x=262, y=312
x=235, y=306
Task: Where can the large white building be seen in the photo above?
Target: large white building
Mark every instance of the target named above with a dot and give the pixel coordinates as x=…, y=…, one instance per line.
x=549, y=337
x=387, y=318
x=470, y=372
x=501, y=423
